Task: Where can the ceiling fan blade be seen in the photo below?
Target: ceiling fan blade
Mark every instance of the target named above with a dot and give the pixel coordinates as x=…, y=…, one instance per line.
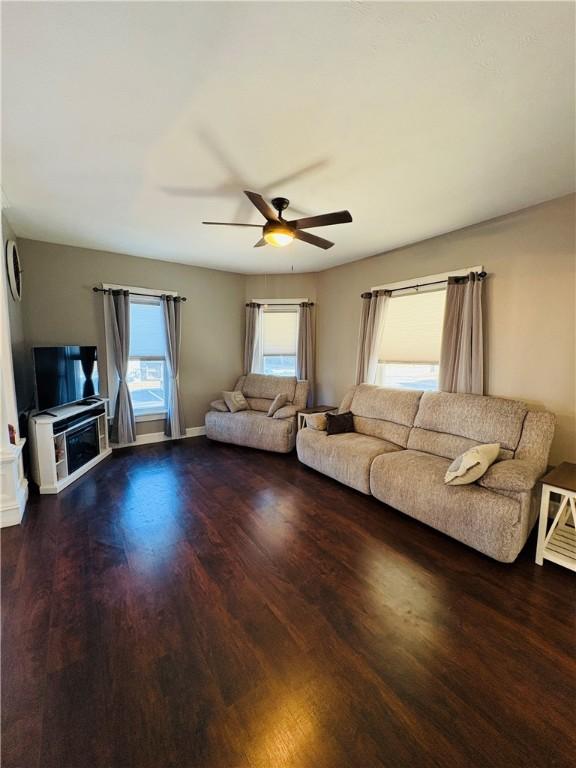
x=260, y=243
x=231, y=224
x=257, y=200
x=324, y=220
x=306, y=237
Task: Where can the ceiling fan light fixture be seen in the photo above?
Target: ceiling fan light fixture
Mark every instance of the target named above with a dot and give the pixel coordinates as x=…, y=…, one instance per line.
x=278, y=236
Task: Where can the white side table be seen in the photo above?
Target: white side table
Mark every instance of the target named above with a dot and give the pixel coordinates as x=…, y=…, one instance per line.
x=558, y=543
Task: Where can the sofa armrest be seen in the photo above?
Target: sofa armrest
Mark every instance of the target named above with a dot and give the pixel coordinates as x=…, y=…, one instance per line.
x=286, y=412
x=518, y=475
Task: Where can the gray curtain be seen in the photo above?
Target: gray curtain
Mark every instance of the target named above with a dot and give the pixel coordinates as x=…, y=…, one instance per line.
x=251, y=337
x=306, y=348
x=374, y=306
x=118, y=341
x=462, y=351
x=175, y=426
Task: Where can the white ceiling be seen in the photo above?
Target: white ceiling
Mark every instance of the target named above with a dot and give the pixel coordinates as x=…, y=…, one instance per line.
x=420, y=118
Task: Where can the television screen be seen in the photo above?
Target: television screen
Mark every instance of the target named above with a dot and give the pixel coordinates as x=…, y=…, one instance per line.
x=64, y=375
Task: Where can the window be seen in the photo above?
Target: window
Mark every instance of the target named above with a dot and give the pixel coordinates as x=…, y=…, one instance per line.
x=147, y=376
x=279, y=338
x=410, y=349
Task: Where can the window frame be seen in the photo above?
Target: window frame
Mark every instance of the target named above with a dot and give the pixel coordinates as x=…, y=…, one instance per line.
x=286, y=305
x=418, y=285
x=110, y=365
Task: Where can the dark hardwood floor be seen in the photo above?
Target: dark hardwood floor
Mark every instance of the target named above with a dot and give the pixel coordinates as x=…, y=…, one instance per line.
x=195, y=605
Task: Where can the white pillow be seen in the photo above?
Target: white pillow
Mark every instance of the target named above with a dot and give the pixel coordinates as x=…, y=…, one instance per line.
x=471, y=465
x=316, y=421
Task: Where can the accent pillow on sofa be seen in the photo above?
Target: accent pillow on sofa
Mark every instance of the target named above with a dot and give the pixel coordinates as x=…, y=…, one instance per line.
x=278, y=402
x=219, y=405
x=316, y=421
x=235, y=401
x=472, y=464
x=337, y=423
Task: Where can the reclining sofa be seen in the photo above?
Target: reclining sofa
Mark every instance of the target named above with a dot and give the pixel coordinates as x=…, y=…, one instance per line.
x=405, y=440
x=254, y=428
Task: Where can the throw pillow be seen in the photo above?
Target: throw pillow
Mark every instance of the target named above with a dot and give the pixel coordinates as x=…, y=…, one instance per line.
x=286, y=412
x=471, y=465
x=219, y=405
x=337, y=423
x=278, y=402
x=316, y=421
x=235, y=401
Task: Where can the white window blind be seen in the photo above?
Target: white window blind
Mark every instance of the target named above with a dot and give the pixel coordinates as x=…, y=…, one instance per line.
x=147, y=376
x=147, y=334
x=413, y=328
x=279, y=332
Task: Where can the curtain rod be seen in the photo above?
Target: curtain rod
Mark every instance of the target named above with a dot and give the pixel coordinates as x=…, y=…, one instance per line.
x=459, y=278
x=134, y=293
x=302, y=304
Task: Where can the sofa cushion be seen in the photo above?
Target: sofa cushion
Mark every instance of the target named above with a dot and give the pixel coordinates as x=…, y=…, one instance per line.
x=413, y=483
x=397, y=405
x=346, y=457
x=261, y=386
x=253, y=429
x=471, y=465
x=384, y=413
x=443, y=444
x=219, y=405
x=477, y=417
x=286, y=412
x=385, y=430
x=259, y=403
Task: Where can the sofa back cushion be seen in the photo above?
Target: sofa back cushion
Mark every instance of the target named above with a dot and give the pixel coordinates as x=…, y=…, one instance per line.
x=446, y=445
x=384, y=413
x=477, y=418
x=259, y=386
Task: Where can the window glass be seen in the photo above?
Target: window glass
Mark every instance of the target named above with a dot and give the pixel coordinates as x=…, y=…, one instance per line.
x=279, y=341
x=147, y=375
x=410, y=349
x=408, y=376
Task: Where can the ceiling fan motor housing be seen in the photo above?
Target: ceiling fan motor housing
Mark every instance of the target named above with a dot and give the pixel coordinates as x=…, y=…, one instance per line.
x=274, y=226
x=280, y=203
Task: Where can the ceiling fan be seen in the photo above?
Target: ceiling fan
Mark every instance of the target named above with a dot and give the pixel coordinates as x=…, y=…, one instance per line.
x=279, y=232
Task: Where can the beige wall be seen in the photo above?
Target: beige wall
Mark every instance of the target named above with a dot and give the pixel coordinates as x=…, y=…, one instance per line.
x=530, y=300
x=60, y=308
x=297, y=286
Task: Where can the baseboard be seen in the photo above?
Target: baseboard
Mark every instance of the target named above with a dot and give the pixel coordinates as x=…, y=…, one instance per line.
x=160, y=437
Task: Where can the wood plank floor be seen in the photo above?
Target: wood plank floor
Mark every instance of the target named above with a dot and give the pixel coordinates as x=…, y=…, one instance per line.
x=195, y=605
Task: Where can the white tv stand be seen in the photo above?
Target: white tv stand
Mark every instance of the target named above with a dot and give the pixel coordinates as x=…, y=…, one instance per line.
x=65, y=436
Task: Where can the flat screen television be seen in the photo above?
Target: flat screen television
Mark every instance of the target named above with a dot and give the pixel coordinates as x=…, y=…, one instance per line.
x=64, y=375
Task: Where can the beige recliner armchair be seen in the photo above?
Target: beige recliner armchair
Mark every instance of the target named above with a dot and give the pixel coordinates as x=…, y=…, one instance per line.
x=254, y=428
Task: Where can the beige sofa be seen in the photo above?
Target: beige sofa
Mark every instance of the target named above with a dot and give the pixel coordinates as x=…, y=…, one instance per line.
x=254, y=428
x=404, y=442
